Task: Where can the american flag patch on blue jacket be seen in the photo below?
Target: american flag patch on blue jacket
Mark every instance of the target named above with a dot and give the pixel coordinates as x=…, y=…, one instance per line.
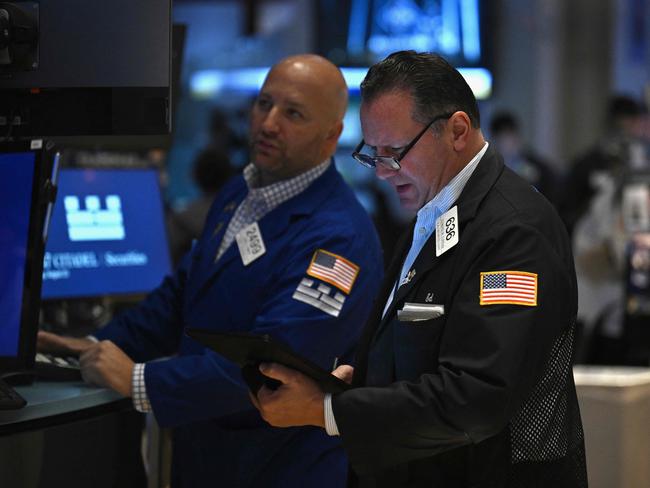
x=333, y=269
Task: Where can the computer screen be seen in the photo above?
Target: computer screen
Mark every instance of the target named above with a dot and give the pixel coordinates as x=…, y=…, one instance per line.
x=16, y=177
x=107, y=235
x=24, y=171
x=362, y=32
x=367, y=31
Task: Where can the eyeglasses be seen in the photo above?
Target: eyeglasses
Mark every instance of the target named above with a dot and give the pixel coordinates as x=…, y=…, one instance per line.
x=391, y=162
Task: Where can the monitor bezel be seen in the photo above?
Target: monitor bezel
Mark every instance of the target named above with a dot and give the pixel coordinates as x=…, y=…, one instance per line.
x=30, y=306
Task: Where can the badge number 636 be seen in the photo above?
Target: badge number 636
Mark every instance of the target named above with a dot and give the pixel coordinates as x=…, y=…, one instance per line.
x=450, y=228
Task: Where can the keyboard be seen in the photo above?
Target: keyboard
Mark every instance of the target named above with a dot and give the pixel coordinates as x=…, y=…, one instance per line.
x=9, y=398
x=56, y=368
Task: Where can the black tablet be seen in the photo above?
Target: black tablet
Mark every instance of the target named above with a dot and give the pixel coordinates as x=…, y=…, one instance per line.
x=249, y=350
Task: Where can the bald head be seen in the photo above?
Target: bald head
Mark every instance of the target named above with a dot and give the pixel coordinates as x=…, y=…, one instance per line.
x=298, y=116
x=320, y=74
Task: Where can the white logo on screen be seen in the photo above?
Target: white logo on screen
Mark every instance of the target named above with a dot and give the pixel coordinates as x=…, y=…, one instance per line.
x=94, y=223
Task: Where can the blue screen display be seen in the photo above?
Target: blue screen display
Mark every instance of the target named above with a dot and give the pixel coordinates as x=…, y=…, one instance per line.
x=449, y=27
x=16, y=179
x=107, y=235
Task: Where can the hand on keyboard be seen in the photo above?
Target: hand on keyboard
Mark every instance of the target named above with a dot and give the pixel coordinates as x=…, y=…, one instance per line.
x=54, y=368
x=65, y=346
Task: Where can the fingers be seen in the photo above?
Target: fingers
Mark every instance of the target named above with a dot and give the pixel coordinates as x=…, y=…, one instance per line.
x=344, y=372
x=264, y=396
x=89, y=355
x=78, y=346
x=87, y=363
x=105, y=364
x=291, y=405
x=90, y=376
x=278, y=372
x=107, y=350
x=48, y=342
x=56, y=344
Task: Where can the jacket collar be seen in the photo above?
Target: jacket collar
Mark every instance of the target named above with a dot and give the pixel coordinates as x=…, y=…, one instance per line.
x=272, y=225
x=482, y=180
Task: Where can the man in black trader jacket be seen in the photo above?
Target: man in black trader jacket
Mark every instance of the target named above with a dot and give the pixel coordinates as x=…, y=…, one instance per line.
x=463, y=375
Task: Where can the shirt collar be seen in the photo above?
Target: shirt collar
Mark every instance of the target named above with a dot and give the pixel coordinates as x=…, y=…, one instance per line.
x=443, y=200
x=276, y=193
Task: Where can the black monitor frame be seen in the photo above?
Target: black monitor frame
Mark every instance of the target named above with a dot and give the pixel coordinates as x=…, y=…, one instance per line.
x=43, y=193
x=102, y=69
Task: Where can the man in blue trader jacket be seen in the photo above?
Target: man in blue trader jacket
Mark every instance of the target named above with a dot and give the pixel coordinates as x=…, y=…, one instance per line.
x=286, y=250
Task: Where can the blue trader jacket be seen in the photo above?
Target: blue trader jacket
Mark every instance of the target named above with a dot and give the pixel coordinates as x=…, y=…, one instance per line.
x=219, y=438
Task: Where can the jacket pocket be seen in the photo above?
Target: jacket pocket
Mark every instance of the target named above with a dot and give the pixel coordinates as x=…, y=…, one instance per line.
x=416, y=347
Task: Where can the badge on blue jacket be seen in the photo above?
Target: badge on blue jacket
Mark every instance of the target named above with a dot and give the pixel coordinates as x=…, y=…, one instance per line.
x=250, y=243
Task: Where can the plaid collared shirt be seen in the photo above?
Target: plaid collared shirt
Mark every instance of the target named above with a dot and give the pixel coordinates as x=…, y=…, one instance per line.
x=258, y=202
x=261, y=200
x=139, y=392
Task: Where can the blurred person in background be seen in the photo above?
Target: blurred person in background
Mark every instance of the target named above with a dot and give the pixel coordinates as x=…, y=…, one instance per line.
x=598, y=210
x=210, y=171
x=621, y=146
x=227, y=132
x=507, y=139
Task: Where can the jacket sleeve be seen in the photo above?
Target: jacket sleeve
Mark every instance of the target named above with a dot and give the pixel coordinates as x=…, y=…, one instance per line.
x=486, y=362
x=153, y=328
x=203, y=385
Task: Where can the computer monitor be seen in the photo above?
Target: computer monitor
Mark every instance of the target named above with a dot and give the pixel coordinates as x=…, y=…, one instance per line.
x=23, y=173
x=85, y=67
x=107, y=235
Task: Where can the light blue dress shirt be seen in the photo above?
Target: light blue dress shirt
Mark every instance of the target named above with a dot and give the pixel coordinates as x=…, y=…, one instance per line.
x=425, y=224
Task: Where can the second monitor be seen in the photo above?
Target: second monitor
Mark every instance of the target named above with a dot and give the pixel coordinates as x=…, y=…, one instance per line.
x=107, y=235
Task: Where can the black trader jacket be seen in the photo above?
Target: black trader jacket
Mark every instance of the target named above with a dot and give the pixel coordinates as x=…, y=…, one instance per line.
x=482, y=396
